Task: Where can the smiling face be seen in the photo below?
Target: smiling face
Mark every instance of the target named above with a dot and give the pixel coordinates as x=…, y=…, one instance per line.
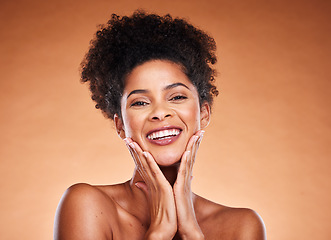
x=161, y=110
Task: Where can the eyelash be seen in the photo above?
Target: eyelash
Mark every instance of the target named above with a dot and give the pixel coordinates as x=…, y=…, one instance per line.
x=142, y=103
x=178, y=98
x=138, y=104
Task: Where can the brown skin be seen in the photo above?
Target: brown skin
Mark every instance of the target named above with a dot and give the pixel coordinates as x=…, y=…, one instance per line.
x=157, y=203
x=111, y=212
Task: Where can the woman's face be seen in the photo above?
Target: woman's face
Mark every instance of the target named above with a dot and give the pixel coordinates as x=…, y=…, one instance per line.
x=160, y=110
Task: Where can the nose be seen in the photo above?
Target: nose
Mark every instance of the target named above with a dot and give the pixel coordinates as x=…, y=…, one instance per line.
x=159, y=113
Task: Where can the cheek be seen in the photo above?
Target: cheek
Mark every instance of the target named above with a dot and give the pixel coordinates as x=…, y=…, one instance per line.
x=133, y=125
x=192, y=117
x=129, y=127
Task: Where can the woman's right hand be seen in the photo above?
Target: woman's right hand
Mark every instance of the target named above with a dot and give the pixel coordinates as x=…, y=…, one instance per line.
x=158, y=191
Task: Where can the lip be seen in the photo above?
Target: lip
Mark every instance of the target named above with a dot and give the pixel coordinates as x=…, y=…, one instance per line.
x=163, y=142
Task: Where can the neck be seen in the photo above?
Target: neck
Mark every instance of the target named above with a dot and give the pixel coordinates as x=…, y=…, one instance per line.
x=170, y=173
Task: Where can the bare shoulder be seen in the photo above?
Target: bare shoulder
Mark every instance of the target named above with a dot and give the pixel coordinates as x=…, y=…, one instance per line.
x=84, y=210
x=222, y=222
x=248, y=223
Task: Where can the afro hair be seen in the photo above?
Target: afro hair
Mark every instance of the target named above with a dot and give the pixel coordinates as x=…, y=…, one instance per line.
x=126, y=42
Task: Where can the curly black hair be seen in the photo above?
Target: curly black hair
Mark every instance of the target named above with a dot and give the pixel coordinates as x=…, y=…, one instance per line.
x=126, y=42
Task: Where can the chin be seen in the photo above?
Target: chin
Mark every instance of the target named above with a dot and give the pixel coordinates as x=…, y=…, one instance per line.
x=167, y=159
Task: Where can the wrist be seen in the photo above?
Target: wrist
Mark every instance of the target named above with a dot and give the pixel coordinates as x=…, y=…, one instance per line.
x=157, y=236
x=193, y=235
x=160, y=233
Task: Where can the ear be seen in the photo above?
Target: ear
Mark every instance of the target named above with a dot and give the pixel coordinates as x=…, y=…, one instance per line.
x=119, y=126
x=204, y=115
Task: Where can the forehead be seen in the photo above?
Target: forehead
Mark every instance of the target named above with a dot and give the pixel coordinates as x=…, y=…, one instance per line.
x=156, y=74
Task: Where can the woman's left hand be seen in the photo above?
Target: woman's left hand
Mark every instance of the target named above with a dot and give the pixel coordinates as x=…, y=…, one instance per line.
x=187, y=224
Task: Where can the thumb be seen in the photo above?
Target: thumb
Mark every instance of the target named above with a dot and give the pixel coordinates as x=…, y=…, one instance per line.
x=143, y=187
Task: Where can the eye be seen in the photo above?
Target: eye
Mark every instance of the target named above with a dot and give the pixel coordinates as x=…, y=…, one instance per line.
x=138, y=104
x=178, y=98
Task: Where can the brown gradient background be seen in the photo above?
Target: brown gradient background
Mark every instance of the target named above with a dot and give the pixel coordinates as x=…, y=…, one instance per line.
x=267, y=147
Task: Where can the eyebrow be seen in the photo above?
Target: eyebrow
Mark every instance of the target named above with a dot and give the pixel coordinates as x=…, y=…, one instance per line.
x=175, y=85
x=171, y=86
x=137, y=92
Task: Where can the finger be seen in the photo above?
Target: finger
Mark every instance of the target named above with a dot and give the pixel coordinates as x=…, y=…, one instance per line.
x=193, y=154
x=192, y=139
x=183, y=165
x=139, y=167
x=192, y=149
x=183, y=169
x=127, y=140
x=155, y=170
x=146, y=160
x=134, y=150
x=137, y=152
x=149, y=170
x=195, y=149
x=191, y=142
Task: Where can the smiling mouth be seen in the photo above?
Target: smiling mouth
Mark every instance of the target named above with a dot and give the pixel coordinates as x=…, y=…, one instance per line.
x=164, y=134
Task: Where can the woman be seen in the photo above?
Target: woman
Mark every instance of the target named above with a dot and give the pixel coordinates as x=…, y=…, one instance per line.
x=153, y=76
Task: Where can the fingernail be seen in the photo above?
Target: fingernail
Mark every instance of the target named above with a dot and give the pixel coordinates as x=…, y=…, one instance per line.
x=126, y=140
x=201, y=136
x=202, y=132
x=132, y=145
x=145, y=154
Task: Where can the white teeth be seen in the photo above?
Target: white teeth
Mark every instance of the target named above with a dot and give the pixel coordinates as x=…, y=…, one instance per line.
x=163, y=134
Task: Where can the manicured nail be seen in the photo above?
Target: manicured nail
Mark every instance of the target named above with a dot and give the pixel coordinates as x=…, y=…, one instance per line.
x=132, y=145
